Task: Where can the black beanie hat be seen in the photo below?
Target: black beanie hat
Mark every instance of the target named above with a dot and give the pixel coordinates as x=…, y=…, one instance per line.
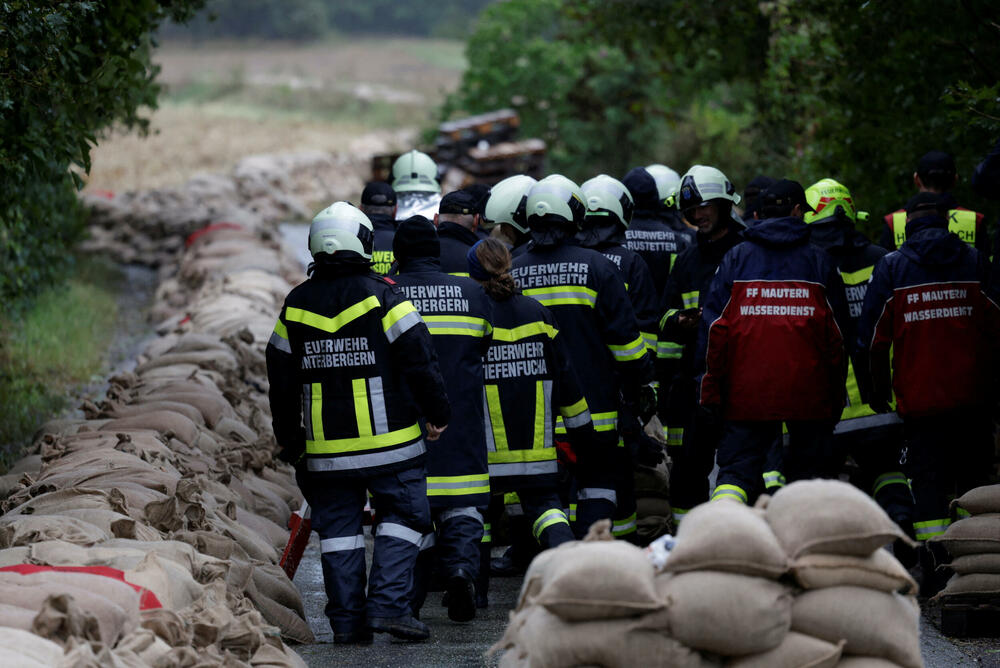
x=416, y=237
x=642, y=185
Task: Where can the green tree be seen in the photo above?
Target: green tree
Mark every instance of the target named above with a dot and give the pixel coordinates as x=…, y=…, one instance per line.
x=67, y=71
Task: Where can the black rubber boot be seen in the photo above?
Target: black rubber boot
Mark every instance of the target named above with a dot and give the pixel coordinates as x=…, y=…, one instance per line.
x=461, y=597
x=405, y=627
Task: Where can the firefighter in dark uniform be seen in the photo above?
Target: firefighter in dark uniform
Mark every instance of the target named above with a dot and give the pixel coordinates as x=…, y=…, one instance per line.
x=457, y=221
x=655, y=232
x=936, y=174
x=931, y=304
x=771, y=343
x=378, y=202
x=352, y=369
x=529, y=381
x=873, y=440
x=458, y=315
x=706, y=200
x=583, y=290
x=504, y=211
x=609, y=208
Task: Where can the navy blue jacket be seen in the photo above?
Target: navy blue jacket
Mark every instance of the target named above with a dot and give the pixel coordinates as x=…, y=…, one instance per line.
x=385, y=231
x=929, y=301
x=658, y=239
x=459, y=316
x=455, y=244
x=772, y=332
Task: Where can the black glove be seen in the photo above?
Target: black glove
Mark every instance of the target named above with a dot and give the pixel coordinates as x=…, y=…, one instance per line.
x=880, y=405
x=647, y=403
x=649, y=451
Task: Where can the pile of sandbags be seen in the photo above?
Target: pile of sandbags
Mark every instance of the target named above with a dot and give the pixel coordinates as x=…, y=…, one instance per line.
x=801, y=581
x=149, y=227
x=166, y=491
x=654, y=514
x=973, y=543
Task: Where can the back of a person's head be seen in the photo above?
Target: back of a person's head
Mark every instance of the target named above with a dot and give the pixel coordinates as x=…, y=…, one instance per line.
x=489, y=263
x=937, y=171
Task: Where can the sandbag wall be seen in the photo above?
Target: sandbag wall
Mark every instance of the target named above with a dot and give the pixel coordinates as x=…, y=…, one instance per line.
x=801, y=581
x=148, y=533
x=973, y=544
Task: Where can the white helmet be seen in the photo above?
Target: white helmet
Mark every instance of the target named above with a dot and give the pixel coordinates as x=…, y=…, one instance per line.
x=341, y=227
x=507, y=202
x=701, y=184
x=667, y=180
x=415, y=172
x=555, y=197
x=607, y=196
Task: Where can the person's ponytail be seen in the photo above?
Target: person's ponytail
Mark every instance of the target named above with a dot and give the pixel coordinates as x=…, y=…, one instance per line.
x=489, y=263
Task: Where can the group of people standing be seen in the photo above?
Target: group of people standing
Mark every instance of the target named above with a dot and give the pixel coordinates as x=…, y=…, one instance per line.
x=517, y=341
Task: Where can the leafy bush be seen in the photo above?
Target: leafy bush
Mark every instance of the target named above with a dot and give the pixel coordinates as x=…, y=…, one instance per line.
x=67, y=71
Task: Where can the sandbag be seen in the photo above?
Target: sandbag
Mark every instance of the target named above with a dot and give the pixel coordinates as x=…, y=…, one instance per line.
x=831, y=517
x=292, y=625
x=970, y=563
x=979, y=501
x=599, y=580
x=873, y=623
x=51, y=503
x=16, y=617
x=165, y=422
x=974, y=535
x=725, y=613
x=27, y=529
x=116, y=524
x=132, y=410
x=146, y=647
x=116, y=591
x=212, y=405
x=971, y=584
x=14, y=555
x=234, y=430
x=536, y=638
x=865, y=662
x=795, y=651
x=171, y=582
x=269, y=656
x=727, y=537
x=110, y=621
x=652, y=506
x=881, y=571
x=27, y=647
x=274, y=534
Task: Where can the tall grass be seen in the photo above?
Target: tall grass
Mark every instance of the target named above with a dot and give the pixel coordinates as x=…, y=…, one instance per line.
x=58, y=342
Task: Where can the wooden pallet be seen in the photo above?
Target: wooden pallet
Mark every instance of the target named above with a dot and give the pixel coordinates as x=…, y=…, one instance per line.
x=971, y=617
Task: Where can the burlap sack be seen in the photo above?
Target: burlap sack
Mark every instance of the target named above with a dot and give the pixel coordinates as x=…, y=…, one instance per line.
x=725, y=613
x=255, y=545
x=971, y=585
x=220, y=360
x=269, y=656
x=234, y=430
x=266, y=502
x=865, y=662
x=211, y=404
x=727, y=537
x=795, y=651
x=270, y=531
x=652, y=506
x=599, y=580
x=101, y=476
x=978, y=534
x=63, y=602
x=535, y=576
x=271, y=581
x=291, y=624
x=535, y=638
x=116, y=524
x=27, y=647
x=16, y=617
x=52, y=503
x=970, y=563
x=881, y=571
x=171, y=582
x=143, y=645
x=165, y=422
x=116, y=591
x=132, y=410
x=873, y=623
x=829, y=516
x=14, y=555
x=979, y=501
x=27, y=529
x=652, y=482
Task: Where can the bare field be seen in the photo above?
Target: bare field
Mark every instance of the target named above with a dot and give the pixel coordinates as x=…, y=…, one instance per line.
x=223, y=102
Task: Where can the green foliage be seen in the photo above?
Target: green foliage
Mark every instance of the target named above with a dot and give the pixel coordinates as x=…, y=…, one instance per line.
x=67, y=71
x=804, y=88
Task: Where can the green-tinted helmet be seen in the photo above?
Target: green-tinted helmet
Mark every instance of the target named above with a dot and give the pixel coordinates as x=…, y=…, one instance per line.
x=507, y=202
x=341, y=227
x=701, y=184
x=667, y=181
x=553, y=198
x=607, y=196
x=827, y=197
x=415, y=172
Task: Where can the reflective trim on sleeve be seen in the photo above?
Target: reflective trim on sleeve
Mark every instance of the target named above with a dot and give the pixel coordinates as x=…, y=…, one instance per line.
x=577, y=420
x=690, y=299
x=367, y=460
x=510, y=498
x=458, y=485
x=733, y=492
x=399, y=319
x=624, y=526
x=333, y=324
x=507, y=469
x=650, y=340
x=667, y=315
x=524, y=331
x=679, y=514
x=962, y=513
x=668, y=350
x=547, y=519
x=774, y=480
x=605, y=421
x=279, y=338
x=675, y=436
x=593, y=493
x=574, y=408
x=571, y=512
x=457, y=325
x=487, y=533
x=345, y=544
x=393, y=530
x=891, y=478
x=468, y=511
x=931, y=528
x=628, y=351
x=564, y=295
